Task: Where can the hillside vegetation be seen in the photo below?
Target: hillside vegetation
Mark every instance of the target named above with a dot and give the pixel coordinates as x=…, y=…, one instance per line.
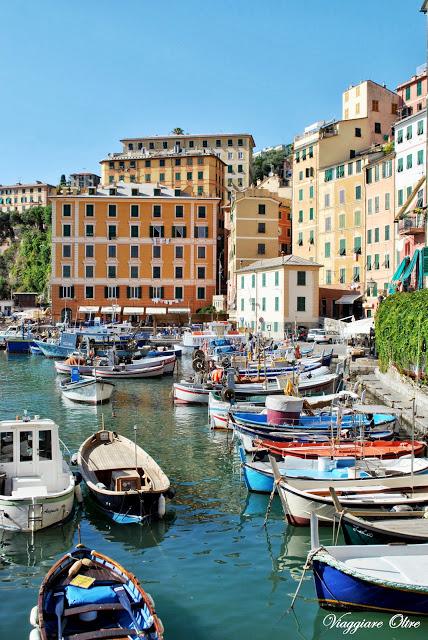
x=25, y=251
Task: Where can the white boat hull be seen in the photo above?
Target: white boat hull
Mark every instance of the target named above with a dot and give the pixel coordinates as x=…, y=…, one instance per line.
x=32, y=514
x=92, y=392
x=190, y=394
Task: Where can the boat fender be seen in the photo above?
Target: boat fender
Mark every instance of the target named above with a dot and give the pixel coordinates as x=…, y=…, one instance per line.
x=150, y=600
x=170, y=493
x=35, y=634
x=161, y=628
x=161, y=506
x=198, y=365
x=100, y=485
x=199, y=354
x=78, y=493
x=34, y=616
x=228, y=394
x=401, y=507
x=75, y=568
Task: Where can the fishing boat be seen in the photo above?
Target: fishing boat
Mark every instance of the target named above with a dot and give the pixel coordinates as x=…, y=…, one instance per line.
x=382, y=494
x=84, y=365
x=36, y=485
x=386, y=578
x=126, y=372
x=125, y=482
x=86, y=595
x=87, y=389
x=258, y=475
x=357, y=448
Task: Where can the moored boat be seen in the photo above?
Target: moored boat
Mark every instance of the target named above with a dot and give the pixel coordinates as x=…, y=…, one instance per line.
x=125, y=482
x=87, y=390
x=36, y=485
x=357, y=448
x=124, y=372
x=86, y=594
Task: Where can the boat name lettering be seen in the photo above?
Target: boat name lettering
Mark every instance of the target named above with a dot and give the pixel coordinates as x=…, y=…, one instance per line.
x=349, y=627
x=399, y=621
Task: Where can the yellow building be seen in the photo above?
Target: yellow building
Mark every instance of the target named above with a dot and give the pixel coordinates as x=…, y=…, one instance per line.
x=253, y=233
x=234, y=149
x=192, y=171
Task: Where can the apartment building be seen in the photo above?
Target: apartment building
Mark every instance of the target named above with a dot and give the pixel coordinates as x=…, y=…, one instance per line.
x=379, y=250
x=234, y=149
x=413, y=92
x=410, y=182
x=252, y=224
x=195, y=171
x=281, y=187
x=84, y=180
x=275, y=294
x=18, y=197
x=133, y=250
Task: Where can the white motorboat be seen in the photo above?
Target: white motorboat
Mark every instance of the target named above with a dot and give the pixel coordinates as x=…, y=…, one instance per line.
x=36, y=484
x=88, y=390
x=124, y=372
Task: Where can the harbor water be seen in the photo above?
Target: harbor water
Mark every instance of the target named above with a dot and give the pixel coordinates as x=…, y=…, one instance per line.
x=211, y=566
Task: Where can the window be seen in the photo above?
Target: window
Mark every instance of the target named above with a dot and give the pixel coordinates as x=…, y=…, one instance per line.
x=387, y=201
x=357, y=245
x=326, y=200
x=200, y=293
x=369, y=236
x=311, y=213
x=356, y=274
x=66, y=292
x=328, y=175
x=156, y=272
x=66, y=230
x=276, y=278
x=111, y=231
x=179, y=211
x=276, y=303
x=375, y=105
x=66, y=210
x=261, y=227
x=387, y=169
x=261, y=248
x=111, y=292
x=376, y=234
x=111, y=271
x=134, y=230
x=178, y=293
x=89, y=251
x=376, y=204
x=262, y=209
x=357, y=218
x=409, y=161
x=419, y=88
x=399, y=136
x=242, y=304
x=300, y=239
x=420, y=127
x=242, y=282
x=377, y=127
x=156, y=231
x=358, y=192
x=400, y=166
x=161, y=178
x=89, y=211
x=420, y=198
x=157, y=210
x=66, y=271
x=300, y=195
x=369, y=175
x=156, y=252
x=340, y=171
x=134, y=250
x=327, y=249
x=387, y=232
x=386, y=262
x=179, y=252
x=311, y=237
x=376, y=261
x=301, y=303
x=328, y=276
x=409, y=132
x=342, y=196
x=263, y=279
x=342, y=221
x=300, y=216
x=327, y=224
x=369, y=263
x=400, y=197
x=358, y=166
x=420, y=156
x=201, y=232
x=342, y=276
x=342, y=247
x=178, y=272
x=178, y=176
x=133, y=293
x=178, y=231
x=89, y=292
x=112, y=211
x=112, y=251
x=66, y=250
x=311, y=192
x=358, y=132
x=350, y=168
x=25, y=446
x=133, y=272
x=200, y=191
x=202, y=211
x=301, y=278
x=407, y=92
x=135, y=210
x=201, y=273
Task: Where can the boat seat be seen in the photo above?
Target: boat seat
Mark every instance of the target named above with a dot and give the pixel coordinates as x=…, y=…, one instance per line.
x=100, y=606
x=30, y=491
x=117, y=632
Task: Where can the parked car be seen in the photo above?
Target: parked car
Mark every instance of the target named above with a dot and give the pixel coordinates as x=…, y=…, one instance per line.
x=318, y=335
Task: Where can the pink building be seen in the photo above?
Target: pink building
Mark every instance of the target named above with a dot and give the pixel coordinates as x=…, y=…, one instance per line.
x=414, y=91
x=380, y=232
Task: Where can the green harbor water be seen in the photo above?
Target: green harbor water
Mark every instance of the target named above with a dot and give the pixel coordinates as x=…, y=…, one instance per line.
x=212, y=568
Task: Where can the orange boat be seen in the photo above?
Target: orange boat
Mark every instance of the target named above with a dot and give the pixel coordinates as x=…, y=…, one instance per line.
x=362, y=449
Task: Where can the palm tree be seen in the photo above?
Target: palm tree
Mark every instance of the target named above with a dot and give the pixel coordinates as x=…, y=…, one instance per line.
x=178, y=131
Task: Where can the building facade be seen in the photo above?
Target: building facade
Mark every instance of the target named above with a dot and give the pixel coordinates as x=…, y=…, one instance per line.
x=134, y=250
x=234, y=149
x=413, y=92
x=23, y=196
x=277, y=294
x=84, y=180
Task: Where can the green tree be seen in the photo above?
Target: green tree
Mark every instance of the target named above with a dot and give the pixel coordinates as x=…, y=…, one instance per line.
x=62, y=180
x=178, y=131
x=265, y=162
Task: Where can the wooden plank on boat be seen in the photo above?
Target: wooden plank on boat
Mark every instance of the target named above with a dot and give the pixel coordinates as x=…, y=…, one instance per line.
x=117, y=632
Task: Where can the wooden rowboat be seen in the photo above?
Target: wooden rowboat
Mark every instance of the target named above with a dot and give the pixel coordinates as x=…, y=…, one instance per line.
x=87, y=595
x=359, y=449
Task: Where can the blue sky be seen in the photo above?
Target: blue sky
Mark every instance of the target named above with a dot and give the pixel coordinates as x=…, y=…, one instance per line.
x=76, y=77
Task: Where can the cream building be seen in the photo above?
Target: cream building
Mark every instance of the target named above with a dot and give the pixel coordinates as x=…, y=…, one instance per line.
x=23, y=196
x=276, y=294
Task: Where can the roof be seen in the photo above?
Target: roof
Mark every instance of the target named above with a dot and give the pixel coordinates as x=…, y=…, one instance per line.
x=172, y=136
x=124, y=190
x=281, y=261
x=84, y=173
x=19, y=185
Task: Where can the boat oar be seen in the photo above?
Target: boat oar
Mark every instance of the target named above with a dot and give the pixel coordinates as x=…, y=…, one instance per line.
x=124, y=601
x=59, y=610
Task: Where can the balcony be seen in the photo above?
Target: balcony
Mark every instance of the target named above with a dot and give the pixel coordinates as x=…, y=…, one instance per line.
x=412, y=225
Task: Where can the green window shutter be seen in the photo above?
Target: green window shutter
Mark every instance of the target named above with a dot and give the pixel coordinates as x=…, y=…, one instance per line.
x=376, y=234
x=420, y=156
x=387, y=232
x=276, y=304
x=300, y=216
x=327, y=249
x=253, y=281
x=425, y=260
x=311, y=213
x=276, y=278
x=242, y=282
x=311, y=192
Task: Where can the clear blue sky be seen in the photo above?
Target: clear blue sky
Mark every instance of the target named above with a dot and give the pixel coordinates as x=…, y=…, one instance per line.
x=76, y=77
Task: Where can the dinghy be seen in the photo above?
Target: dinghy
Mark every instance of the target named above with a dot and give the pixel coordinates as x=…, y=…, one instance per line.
x=87, y=389
x=87, y=595
x=386, y=578
x=125, y=482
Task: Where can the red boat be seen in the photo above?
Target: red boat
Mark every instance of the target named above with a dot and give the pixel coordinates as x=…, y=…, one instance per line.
x=361, y=449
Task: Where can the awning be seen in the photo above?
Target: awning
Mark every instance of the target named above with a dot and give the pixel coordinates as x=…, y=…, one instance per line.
x=110, y=309
x=133, y=311
x=178, y=310
x=349, y=299
x=156, y=311
x=89, y=309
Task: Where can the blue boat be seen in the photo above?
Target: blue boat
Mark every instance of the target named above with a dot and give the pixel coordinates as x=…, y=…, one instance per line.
x=321, y=422
x=19, y=345
x=386, y=578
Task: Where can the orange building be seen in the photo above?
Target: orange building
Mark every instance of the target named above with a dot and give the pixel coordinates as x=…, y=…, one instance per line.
x=134, y=250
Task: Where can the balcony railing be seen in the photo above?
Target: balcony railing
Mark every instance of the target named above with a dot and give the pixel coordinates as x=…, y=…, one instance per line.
x=411, y=225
